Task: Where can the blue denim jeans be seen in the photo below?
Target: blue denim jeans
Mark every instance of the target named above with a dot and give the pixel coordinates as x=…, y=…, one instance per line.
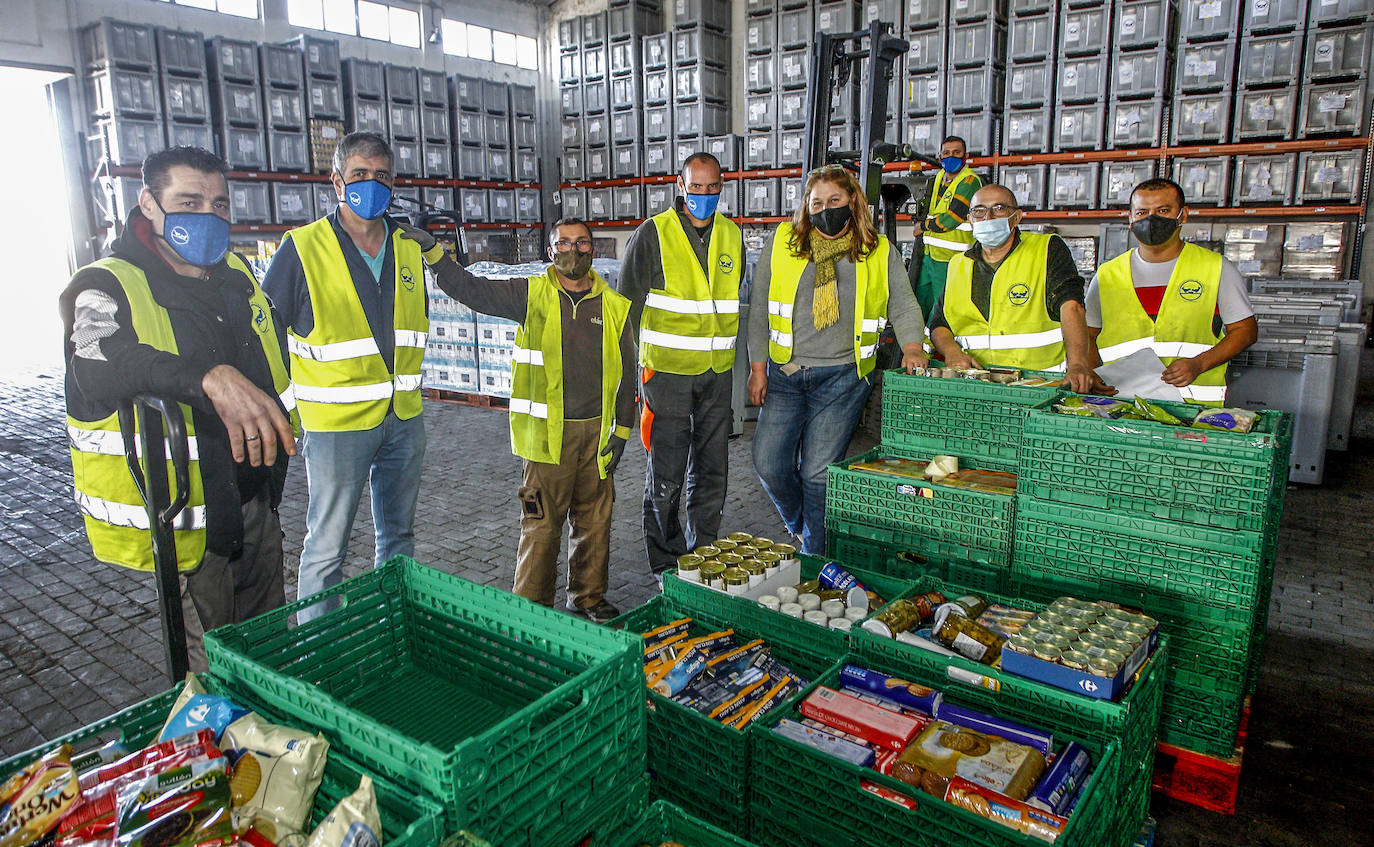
x=804, y=426
x=337, y=466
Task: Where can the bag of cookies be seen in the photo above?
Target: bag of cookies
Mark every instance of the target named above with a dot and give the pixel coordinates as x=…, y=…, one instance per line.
x=944, y=750
x=276, y=771
x=35, y=799
x=195, y=709
x=355, y=822
x=182, y=807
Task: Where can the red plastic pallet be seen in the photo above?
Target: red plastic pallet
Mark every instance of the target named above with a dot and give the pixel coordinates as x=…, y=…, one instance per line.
x=1204, y=781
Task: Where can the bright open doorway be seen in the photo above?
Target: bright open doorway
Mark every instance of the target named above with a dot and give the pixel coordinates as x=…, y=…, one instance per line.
x=35, y=233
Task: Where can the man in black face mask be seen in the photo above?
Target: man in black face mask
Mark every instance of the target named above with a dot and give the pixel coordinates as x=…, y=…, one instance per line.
x=571, y=409
x=1183, y=301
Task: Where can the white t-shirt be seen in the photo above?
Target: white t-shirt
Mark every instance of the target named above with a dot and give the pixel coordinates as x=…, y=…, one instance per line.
x=1233, y=303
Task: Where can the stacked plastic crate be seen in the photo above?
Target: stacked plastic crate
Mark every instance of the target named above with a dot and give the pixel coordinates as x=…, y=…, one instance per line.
x=700, y=82
x=364, y=96
x=236, y=97
x=762, y=45
x=185, y=89
x=572, y=157
x=436, y=133
x=922, y=98
x=282, y=70
x=1335, y=100
x=629, y=22
x=469, y=127
x=1082, y=80
x=975, y=81
x=1142, y=60
x=1032, y=39
x=403, y=119
x=596, y=121
x=324, y=110
x=120, y=60
x=525, y=158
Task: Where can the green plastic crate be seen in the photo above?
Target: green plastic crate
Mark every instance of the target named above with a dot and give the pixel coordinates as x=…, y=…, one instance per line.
x=894, y=558
x=804, y=797
x=407, y=820
x=698, y=763
x=486, y=702
x=980, y=422
x=1205, y=477
x=1201, y=721
x=935, y=520
x=666, y=822
x=1204, y=565
x=795, y=635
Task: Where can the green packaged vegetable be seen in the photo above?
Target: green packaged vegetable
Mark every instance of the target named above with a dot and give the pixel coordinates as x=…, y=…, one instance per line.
x=1154, y=412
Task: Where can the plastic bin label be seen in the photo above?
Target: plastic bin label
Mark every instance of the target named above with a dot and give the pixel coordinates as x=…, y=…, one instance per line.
x=1310, y=242
x=1332, y=175
x=1262, y=111
x=1331, y=102
x=1198, y=174
x=1071, y=30
x=1209, y=9
x=1260, y=191
x=1128, y=23
x=1205, y=114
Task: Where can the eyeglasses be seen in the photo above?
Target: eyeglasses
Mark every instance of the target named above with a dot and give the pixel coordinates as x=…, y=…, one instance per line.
x=998, y=210
x=563, y=245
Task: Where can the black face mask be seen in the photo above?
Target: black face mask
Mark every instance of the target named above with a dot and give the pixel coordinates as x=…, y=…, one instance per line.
x=1155, y=229
x=831, y=221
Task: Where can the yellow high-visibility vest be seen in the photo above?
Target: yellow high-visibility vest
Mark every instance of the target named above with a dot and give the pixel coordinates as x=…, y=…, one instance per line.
x=689, y=326
x=943, y=246
x=1018, y=332
x=340, y=378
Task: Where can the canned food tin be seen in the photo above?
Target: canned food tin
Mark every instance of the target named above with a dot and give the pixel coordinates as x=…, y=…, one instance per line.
x=707, y=551
x=1116, y=657
x=1050, y=638
x=762, y=543
x=740, y=537
x=711, y=575
x=724, y=545
x=1136, y=632
x=1096, y=608
x=1069, y=632
x=784, y=551
x=1047, y=652
x=748, y=551
x=689, y=567
x=1102, y=667
x=1075, y=659
x=1022, y=644
x=1051, y=618
x=736, y=580
x=1098, y=638
x=730, y=560
x=757, y=572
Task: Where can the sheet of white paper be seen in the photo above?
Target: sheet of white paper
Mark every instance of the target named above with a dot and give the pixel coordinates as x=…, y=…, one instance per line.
x=1137, y=375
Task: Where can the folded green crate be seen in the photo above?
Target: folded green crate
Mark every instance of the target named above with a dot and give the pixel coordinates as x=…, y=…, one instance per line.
x=895, y=556
x=664, y=822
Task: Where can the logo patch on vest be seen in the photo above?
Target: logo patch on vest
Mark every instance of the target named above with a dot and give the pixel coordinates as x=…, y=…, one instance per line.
x=259, y=319
x=1190, y=290
x=1019, y=294
x=727, y=265
x=407, y=279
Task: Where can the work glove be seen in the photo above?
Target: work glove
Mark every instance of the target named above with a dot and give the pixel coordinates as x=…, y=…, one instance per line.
x=614, y=448
x=419, y=236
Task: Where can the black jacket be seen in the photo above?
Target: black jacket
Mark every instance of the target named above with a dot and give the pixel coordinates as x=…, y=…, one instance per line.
x=213, y=324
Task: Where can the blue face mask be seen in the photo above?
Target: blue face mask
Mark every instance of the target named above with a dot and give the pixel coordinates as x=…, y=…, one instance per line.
x=952, y=164
x=993, y=232
x=368, y=198
x=701, y=206
x=199, y=238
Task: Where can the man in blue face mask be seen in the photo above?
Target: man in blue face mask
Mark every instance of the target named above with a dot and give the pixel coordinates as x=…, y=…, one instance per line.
x=173, y=313
x=945, y=230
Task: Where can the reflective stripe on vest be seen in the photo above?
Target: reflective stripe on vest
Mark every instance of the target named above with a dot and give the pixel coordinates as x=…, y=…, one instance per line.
x=870, y=299
x=341, y=381
x=689, y=326
x=111, y=443
x=536, y=404
x=1183, y=328
x=124, y=515
x=1018, y=331
x=944, y=246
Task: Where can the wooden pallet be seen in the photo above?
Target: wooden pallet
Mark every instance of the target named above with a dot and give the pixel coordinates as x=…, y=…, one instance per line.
x=482, y=401
x=1205, y=781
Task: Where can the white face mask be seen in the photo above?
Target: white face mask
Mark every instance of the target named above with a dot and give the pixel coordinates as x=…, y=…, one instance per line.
x=993, y=232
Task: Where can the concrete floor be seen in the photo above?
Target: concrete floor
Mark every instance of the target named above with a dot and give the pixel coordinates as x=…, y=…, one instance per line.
x=79, y=640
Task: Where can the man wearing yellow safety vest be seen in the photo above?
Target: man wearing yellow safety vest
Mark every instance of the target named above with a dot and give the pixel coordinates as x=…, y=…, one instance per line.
x=681, y=273
x=173, y=313
x=1185, y=302
x=571, y=408
x=945, y=230
x=1014, y=298
x=350, y=288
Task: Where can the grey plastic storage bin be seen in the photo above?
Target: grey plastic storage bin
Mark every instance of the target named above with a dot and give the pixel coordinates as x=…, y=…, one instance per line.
x=760, y=7
x=570, y=99
x=626, y=127
x=1074, y=186
x=976, y=89
x=1079, y=127
x=924, y=133
x=1143, y=24
x=791, y=146
x=527, y=206
x=760, y=150
x=498, y=165
x=1206, y=181
x=186, y=99
x=1205, y=67
x=731, y=204
x=434, y=123
x=472, y=163
x=598, y=163
x=762, y=197
x=658, y=158
x=574, y=202
x=250, y=202
x=658, y=122
x=701, y=83
x=129, y=141
x=569, y=68
x=474, y=205
x=120, y=92
x=596, y=131
x=1120, y=178
x=727, y=150
x=761, y=34
x=701, y=46
x=1141, y=74
x=1334, y=108
x=572, y=165
x=366, y=115
x=792, y=109
x=472, y=128
x=410, y=159
x=656, y=50
x=363, y=78
x=1329, y=11
x=281, y=66
x=1030, y=85
x=321, y=56
x=288, y=151
x=712, y=14
x=324, y=99
x=495, y=97
x=292, y=203
x=502, y=202
x=658, y=87
x=659, y=197
x=760, y=73
x=1136, y=123
x=794, y=69
x=438, y=160
x=631, y=20
x=569, y=35
x=238, y=105
x=594, y=63
x=467, y=93
x=190, y=135
x=403, y=119
x=626, y=162
x=1082, y=79
x=888, y=11
x=1200, y=20
x=112, y=43
x=627, y=202
x=925, y=14
x=1265, y=180
x=761, y=112
x=1084, y=31
x=842, y=137
x=1270, y=59
x=1029, y=130
x=242, y=148
x=841, y=16
x=600, y=205
x=595, y=97
x=522, y=100
x=1027, y=182
x=181, y=51
x=497, y=131
x=1202, y=118
x=925, y=52
x=1338, y=53
x=593, y=28
x=1330, y=177
x=526, y=164
x=977, y=44
x=796, y=28
x=980, y=131
x=966, y=11
x=1264, y=114
x=1274, y=15
x=231, y=59
x=433, y=89
x=325, y=198
x=924, y=95
x=1031, y=39
x=624, y=58
x=790, y=193
x=526, y=133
